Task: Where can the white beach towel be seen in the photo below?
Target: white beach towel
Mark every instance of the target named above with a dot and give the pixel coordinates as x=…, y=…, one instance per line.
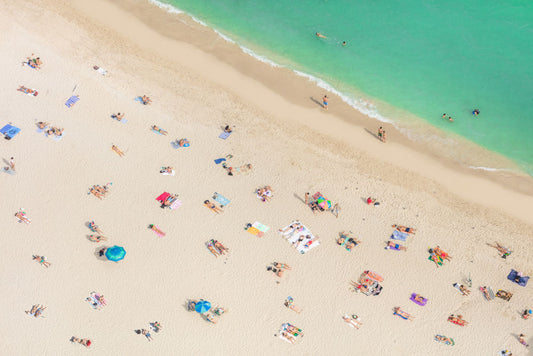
x=293, y=235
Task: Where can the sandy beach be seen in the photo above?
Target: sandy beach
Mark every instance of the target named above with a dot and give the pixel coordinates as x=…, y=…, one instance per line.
x=199, y=83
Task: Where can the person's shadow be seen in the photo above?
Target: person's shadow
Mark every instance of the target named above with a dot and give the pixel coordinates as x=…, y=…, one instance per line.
x=299, y=198
x=373, y=134
x=316, y=101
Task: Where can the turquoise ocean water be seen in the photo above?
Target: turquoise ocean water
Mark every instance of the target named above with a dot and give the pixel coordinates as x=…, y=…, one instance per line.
x=404, y=60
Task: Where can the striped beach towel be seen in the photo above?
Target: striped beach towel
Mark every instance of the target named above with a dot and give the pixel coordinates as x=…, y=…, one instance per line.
x=72, y=100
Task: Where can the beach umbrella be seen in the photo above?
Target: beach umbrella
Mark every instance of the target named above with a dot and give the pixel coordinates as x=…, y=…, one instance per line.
x=115, y=253
x=202, y=306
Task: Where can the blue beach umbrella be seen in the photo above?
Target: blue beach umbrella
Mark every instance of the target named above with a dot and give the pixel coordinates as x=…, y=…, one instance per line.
x=115, y=253
x=202, y=306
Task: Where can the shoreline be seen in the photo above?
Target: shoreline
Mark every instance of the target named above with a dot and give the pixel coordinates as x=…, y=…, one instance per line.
x=293, y=148
x=484, y=160
x=508, y=189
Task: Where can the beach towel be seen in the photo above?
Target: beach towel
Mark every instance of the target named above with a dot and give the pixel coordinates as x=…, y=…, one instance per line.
x=219, y=160
x=9, y=131
x=293, y=235
x=176, y=144
x=72, y=100
x=224, y=135
x=165, y=173
x=163, y=197
x=124, y=121
x=491, y=293
x=219, y=198
x=39, y=130
x=395, y=247
x=422, y=303
x=57, y=138
x=268, y=193
x=28, y=91
x=439, y=260
x=445, y=342
x=175, y=204
x=94, y=302
x=398, y=235
x=157, y=132
x=257, y=229
x=8, y=170
x=157, y=230
x=102, y=71
x=139, y=99
x=520, y=280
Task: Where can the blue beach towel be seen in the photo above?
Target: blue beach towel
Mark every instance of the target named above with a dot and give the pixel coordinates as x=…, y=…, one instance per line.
x=139, y=99
x=72, y=100
x=9, y=131
x=398, y=235
x=222, y=200
x=219, y=160
x=224, y=135
x=176, y=144
x=41, y=130
x=124, y=121
x=522, y=281
x=157, y=132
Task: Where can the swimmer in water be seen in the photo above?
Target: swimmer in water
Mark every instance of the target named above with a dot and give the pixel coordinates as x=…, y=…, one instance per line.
x=450, y=119
x=443, y=116
x=318, y=34
x=475, y=112
x=344, y=43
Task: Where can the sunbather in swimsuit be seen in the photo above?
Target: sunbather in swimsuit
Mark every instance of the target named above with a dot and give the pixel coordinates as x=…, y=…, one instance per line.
x=96, y=193
x=504, y=252
x=393, y=246
x=160, y=130
x=84, y=342
x=442, y=254
x=288, y=337
x=402, y=228
x=213, y=207
x=402, y=314
x=458, y=320
x=42, y=124
x=146, y=100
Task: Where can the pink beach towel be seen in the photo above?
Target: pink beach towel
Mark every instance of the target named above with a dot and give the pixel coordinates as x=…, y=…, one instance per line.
x=163, y=197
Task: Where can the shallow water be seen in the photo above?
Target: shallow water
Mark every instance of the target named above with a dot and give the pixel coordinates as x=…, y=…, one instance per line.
x=404, y=60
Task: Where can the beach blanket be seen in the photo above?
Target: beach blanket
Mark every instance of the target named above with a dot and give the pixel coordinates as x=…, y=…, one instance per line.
x=258, y=229
x=165, y=173
x=102, y=71
x=398, y=235
x=157, y=230
x=9, y=131
x=55, y=137
x=28, y=91
x=157, y=132
x=176, y=144
x=139, y=99
x=222, y=200
x=8, y=170
x=163, y=197
x=268, y=193
x=520, y=280
x=39, y=130
x=439, y=260
x=175, y=204
x=422, y=303
x=451, y=342
x=219, y=160
x=224, y=135
x=299, y=231
x=72, y=100
x=284, y=328
x=124, y=121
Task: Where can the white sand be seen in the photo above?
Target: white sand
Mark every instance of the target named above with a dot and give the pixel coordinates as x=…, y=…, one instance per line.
x=194, y=94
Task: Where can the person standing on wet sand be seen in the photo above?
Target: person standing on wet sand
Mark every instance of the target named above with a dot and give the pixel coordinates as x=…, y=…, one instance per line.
x=12, y=163
x=325, y=102
x=380, y=133
x=384, y=139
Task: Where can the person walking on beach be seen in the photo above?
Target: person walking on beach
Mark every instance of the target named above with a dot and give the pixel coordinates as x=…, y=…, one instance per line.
x=325, y=102
x=380, y=133
x=522, y=340
x=384, y=139
x=12, y=163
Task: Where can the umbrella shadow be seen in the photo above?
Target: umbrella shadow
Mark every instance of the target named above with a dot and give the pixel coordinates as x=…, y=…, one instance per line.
x=99, y=253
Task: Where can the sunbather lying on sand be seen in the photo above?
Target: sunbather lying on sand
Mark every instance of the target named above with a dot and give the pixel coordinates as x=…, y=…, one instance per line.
x=293, y=329
x=36, y=310
x=21, y=215
x=183, y=142
x=94, y=228
x=210, y=318
x=353, y=321
x=402, y=228
x=504, y=295
x=42, y=261
x=234, y=170
x=146, y=100
x=96, y=193
x=167, y=170
x=42, y=124
x=458, y=320
x=228, y=129
x=292, y=227
x=288, y=337
x=442, y=254
x=433, y=256
x=503, y=251
x=394, y=246
x=282, y=265
x=402, y=314
x=25, y=90
x=277, y=271
x=265, y=193
x=419, y=298
x=289, y=303
x=34, y=62
x=464, y=291
x=117, y=150
x=97, y=238
x=351, y=243
x=158, y=129
x=118, y=116
x=84, y=342
x=213, y=207
x=212, y=249
x=220, y=248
